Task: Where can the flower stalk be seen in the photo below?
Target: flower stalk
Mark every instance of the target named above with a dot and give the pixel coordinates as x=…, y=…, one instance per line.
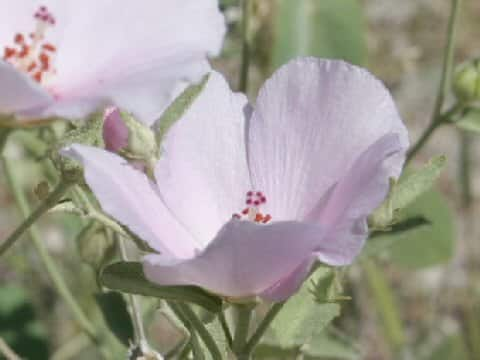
x=262, y=328
x=244, y=315
x=437, y=117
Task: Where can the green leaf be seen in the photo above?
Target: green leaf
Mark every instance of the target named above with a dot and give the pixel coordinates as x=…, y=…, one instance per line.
x=322, y=28
x=470, y=122
x=409, y=187
x=178, y=107
x=301, y=318
x=116, y=315
x=381, y=240
x=128, y=277
x=325, y=346
x=429, y=245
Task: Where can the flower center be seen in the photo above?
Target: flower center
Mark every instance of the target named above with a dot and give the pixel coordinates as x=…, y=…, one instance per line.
x=254, y=199
x=31, y=54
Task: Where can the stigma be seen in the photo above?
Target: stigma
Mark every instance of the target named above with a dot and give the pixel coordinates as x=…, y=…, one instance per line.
x=32, y=54
x=254, y=199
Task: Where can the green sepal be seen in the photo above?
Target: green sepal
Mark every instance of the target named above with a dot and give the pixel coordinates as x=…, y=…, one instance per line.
x=128, y=277
x=404, y=192
x=178, y=107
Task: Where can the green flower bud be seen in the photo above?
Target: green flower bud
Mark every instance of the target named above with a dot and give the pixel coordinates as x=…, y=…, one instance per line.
x=466, y=81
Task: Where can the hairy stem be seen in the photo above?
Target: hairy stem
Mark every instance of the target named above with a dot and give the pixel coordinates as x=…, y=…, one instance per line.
x=141, y=339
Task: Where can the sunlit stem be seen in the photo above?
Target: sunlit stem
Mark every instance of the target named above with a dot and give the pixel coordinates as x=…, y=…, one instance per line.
x=262, y=327
x=243, y=81
x=46, y=205
x=133, y=301
x=242, y=326
x=50, y=266
x=465, y=168
x=193, y=322
x=447, y=66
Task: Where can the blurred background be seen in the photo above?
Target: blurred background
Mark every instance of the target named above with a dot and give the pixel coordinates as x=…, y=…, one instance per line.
x=417, y=298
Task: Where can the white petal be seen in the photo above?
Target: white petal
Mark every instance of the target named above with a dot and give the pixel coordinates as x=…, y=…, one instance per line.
x=312, y=120
x=18, y=92
x=133, y=54
x=127, y=195
x=244, y=259
x=202, y=173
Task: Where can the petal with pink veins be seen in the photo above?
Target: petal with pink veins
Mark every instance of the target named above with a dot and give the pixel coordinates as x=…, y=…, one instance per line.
x=138, y=52
x=357, y=194
x=18, y=92
x=244, y=259
x=202, y=172
x=312, y=119
x=130, y=197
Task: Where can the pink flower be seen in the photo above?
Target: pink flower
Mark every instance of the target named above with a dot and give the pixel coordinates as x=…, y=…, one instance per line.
x=246, y=200
x=68, y=58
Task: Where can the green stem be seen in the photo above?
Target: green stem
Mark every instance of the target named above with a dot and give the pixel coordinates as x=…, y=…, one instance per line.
x=465, y=168
x=201, y=330
x=50, y=266
x=225, y=328
x=244, y=315
x=243, y=82
x=4, y=133
x=442, y=119
x=444, y=80
x=262, y=328
x=47, y=204
x=139, y=329
x=384, y=301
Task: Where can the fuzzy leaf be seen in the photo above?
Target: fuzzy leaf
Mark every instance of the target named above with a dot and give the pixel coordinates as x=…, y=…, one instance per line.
x=301, y=318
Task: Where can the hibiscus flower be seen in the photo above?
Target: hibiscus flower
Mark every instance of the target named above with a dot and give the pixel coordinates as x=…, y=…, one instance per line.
x=68, y=58
x=246, y=200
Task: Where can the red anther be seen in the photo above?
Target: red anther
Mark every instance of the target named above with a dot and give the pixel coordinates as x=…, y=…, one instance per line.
x=8, y=53
x=250, y=193
x=249, y=202
x=24, y=52
x=42, y=8
x=45, y=60
x=38, y=76
x=19, y=39
x=256, y=203
x=263, y=199
x=236, y=216
x=49, y=47
x=259, y=193
x=32, y=66
x=245, y=211
x=258, y=217
x=266, y=218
